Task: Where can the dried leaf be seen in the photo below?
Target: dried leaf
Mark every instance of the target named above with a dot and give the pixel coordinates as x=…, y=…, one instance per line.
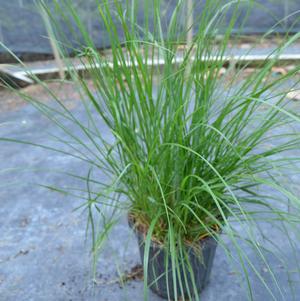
x=294, y=95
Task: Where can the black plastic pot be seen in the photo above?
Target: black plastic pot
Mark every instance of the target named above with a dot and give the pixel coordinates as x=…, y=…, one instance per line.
x=157, y=279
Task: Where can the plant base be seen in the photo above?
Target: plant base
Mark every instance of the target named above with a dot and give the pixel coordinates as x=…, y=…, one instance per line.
x=160, y=282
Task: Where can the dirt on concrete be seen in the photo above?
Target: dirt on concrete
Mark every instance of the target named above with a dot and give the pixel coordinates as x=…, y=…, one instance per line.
x=65, y=91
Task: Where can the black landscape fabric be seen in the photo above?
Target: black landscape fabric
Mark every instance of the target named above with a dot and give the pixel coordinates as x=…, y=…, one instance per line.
x=22, y=28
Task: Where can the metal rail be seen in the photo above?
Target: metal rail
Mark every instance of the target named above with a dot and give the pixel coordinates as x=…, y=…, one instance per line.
x=23, y=76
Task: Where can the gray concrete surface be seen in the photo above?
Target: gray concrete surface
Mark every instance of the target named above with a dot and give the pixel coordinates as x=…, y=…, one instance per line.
x=43, y=254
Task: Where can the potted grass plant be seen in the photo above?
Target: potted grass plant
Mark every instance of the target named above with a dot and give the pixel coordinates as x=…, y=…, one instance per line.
x=193, y=151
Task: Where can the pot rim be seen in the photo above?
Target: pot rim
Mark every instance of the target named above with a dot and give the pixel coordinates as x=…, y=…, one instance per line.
x=160, y=244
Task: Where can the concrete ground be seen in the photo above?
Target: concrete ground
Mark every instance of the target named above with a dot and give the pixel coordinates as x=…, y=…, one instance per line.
x=43, y=254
